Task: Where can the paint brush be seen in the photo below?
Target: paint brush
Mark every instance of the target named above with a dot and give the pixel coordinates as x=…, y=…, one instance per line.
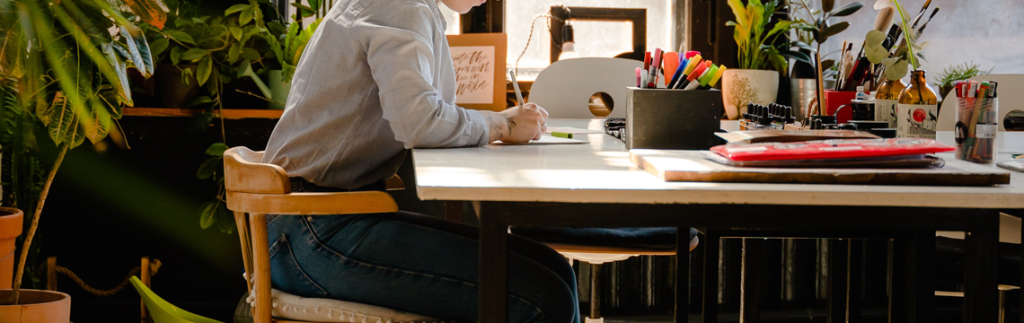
x=921, y=30
x=921, y=14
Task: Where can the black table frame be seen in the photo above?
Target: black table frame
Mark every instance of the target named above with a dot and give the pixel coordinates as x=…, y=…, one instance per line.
x=982, y=225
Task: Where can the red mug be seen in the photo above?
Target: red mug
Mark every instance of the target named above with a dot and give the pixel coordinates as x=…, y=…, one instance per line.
x=834, y=100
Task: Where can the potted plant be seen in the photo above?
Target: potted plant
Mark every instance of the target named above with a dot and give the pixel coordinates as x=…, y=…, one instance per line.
x=814, y=27
x=288, y=51
x=760, y=47
x=955, y=73
x=205, y=52
x=73, y=102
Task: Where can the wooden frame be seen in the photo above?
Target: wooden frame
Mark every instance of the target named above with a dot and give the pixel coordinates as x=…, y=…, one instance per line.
x=637, y=16
x=500, y=44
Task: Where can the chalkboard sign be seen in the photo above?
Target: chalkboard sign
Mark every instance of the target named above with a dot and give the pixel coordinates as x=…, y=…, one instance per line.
x=479, y=70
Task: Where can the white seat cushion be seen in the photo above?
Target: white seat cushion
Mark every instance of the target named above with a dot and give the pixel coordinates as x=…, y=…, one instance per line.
x=288, y=306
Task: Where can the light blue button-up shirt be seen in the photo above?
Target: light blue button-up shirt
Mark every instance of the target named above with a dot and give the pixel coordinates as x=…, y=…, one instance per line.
x=375, y=80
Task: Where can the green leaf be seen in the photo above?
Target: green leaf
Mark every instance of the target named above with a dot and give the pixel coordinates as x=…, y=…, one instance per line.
x=159, y=46
x=897, y=70
x=276, y=48
x=314, y=3
x=250, y=54
x=236, y=8
x=233, y=52
x=97, y=122
x=181, y=36
x=874, y=38
x=833, y=30
x=246, y=16
x=139, y=48
x=236, y=32
x=207, y=214
x=827, y=5
x=176, y=55
x=225, y=222
x=847, y=10
x=276, y=28
x=120, y=71
x=208, y=168
x=203, y=71
x=200, y=100
x=194, y=54
x=217, y=149
x=827, y=64
x=182, y=22
x=64, y=127
x=798, y=56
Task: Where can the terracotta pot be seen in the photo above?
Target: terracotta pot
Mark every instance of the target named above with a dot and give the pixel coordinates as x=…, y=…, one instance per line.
x=10, y=228
x=36, y=306
x=741, y=87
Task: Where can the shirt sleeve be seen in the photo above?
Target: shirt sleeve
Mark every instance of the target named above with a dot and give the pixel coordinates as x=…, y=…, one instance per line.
x=402, y=63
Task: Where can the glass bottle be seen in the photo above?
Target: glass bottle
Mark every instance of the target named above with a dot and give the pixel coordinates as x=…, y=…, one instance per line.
x=886, y=99
x=918, y=110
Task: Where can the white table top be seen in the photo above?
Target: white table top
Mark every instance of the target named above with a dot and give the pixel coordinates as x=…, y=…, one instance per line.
x=601, y=172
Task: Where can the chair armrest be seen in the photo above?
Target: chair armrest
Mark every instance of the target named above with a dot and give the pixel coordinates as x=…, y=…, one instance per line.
x=394, y=183
x=312, y=203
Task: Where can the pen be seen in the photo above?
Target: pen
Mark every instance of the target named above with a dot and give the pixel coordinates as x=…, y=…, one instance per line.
x=715, y=78
x=652, y=76
x=561, y=134
x=638, y=77
x=671, y=61
x=692, y=76
x=515, y=85
x=693, y=85
x=678, y=73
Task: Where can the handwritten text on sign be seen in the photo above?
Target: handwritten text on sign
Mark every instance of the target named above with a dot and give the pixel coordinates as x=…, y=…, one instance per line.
x=474, y=73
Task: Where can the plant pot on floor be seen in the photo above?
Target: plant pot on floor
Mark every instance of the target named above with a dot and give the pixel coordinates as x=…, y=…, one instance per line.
x=10, y=228
x=35, y=306
x=170, y=88
x=741, y=87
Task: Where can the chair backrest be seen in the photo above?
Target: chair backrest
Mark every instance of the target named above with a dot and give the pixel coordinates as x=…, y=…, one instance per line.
x=1011, y=97
x=564, y=88
x=164, y=312
x=244, y=172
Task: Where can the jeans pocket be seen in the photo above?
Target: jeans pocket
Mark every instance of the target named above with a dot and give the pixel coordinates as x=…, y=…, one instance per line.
x=287, y=275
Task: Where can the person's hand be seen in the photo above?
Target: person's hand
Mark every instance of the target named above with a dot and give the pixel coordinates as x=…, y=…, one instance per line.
x=518, y=124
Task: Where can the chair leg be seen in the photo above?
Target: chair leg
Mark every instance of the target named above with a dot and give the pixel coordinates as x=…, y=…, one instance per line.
x=145, y=281
x=261, y=267
x=595, y=295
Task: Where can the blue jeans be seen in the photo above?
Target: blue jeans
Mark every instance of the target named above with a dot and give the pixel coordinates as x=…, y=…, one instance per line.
x=415, y=263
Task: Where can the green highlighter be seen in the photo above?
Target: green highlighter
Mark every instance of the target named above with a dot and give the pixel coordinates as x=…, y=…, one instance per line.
x=561, y=134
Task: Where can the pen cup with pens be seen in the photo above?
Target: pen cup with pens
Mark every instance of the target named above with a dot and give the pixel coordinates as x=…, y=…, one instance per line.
x=977, y=121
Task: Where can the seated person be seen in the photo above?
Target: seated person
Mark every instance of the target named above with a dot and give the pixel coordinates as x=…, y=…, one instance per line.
x=377, y=79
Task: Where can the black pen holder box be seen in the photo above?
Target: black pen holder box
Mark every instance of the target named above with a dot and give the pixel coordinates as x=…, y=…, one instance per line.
x=673, y=119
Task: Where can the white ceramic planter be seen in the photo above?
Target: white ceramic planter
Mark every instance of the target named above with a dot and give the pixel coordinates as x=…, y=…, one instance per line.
x=741, y=87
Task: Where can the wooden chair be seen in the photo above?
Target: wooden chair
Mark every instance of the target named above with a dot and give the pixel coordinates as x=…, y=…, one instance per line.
x=255, y=189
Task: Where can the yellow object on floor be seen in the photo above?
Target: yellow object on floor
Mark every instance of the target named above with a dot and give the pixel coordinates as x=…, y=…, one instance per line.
x=163, y=312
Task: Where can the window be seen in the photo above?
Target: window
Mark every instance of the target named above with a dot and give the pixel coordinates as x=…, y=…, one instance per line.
x=593, y=38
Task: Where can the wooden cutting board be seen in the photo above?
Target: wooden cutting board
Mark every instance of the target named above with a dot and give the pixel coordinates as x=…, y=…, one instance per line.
x=691, y=166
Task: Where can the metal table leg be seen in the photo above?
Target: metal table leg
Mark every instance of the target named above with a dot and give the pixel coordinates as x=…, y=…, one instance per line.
x=682, y=273
x=981, y=296
x=710, y=304
x=493, y=270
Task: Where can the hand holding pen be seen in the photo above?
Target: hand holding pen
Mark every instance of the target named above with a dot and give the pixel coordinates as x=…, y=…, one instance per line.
x=518, y=124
